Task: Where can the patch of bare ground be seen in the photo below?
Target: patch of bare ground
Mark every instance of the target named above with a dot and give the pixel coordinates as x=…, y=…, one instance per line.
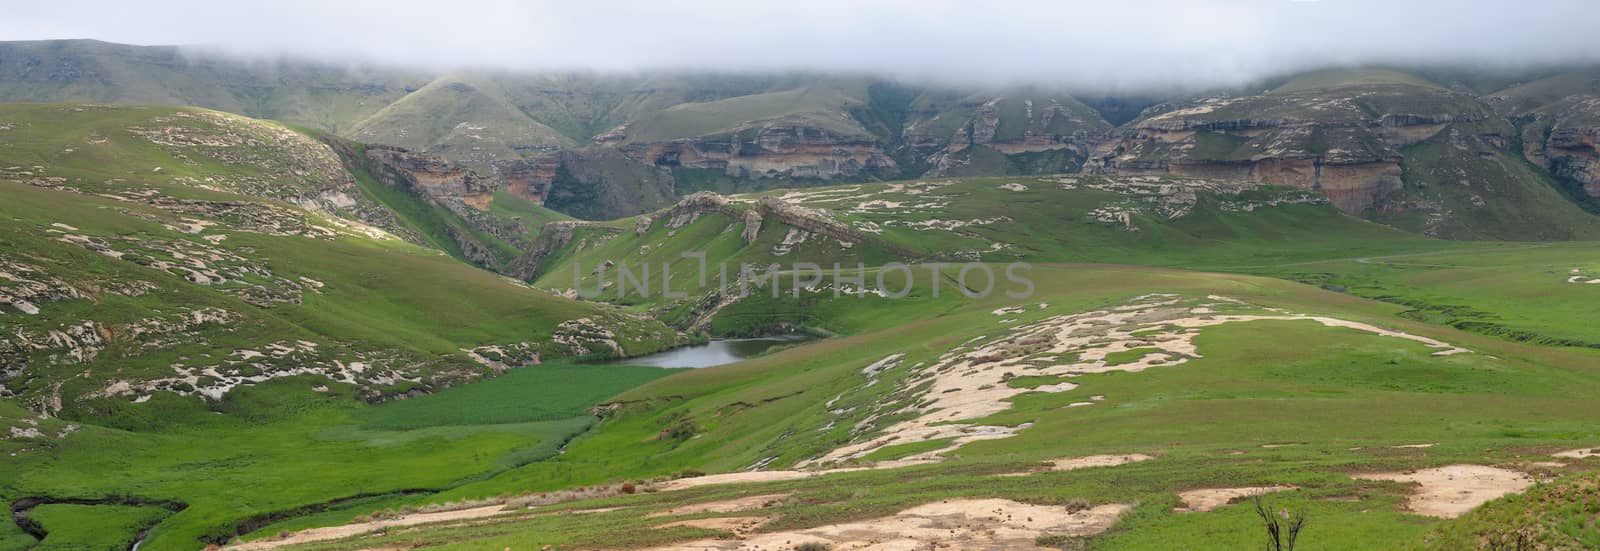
x=1075, y=463
x=749, y=477
x=734, y=478
x=1090, y=461
x=950, y=524
x=725, y=506
x=1450, y=491
x=359, y=528
x=445, y=513
x=738, y=526
x=1580, y=453
x=1206, y=499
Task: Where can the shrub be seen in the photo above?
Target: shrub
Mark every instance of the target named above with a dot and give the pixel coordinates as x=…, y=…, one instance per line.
x=1281, y=533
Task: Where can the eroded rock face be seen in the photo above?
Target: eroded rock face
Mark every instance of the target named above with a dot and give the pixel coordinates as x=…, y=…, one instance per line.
x=1342, y=142
x=704, y=202
x=440, y=182
x=1567, y=143
x=431, y=175
x=771, y=150
x=1042, y=125
x=528, y=179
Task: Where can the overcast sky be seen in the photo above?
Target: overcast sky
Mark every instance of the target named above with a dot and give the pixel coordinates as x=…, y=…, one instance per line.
x=1106, y=43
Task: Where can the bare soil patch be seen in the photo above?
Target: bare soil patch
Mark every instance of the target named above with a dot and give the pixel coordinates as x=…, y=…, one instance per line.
x=358, y=528
x=1579, y=453
x=1206, y=499
x=1450, y=491
x=950, y=524
x=725, y=506
x=737, y=526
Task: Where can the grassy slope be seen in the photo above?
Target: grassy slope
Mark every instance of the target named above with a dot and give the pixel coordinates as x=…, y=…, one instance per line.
x=466, y=118
x=823, y=103
x=81, y=527
x=1338, y=390
x=532, y=216
x=416, y=307
x=1519, y=291
x=1043, y=223
x=279, y=447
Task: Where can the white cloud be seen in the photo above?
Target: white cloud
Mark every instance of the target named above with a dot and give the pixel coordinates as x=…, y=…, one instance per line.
x=1100, y=44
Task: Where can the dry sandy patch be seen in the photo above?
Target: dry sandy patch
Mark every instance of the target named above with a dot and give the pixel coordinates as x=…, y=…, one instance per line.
x=358, y=528
x=1090, y=461
x=736, y=525
x=735, y=478
x=1447, y=492
x=1206, y=499
x=1579, y=453
x=951, y=524
x=1075, y=463
x=724, y=506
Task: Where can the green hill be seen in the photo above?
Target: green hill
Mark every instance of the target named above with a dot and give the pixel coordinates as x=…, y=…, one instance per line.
x=189, y=250
x=331, y=97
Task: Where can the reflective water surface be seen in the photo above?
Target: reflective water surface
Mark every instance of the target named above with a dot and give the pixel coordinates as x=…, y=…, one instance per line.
x=716, y=352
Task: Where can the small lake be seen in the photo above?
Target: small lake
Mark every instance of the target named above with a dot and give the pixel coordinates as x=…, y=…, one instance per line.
x=715, y=352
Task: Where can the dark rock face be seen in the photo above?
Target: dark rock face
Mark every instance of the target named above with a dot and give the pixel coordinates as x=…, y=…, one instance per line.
x=597, y=183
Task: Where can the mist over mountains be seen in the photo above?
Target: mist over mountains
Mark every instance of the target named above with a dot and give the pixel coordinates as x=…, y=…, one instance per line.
x=1152, y=44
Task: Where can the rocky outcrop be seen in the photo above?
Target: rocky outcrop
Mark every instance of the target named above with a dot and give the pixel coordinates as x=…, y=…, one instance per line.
x=1043, y=125
x=585, y=337
x=1574, y=154
x=771, y=149
x=1566, y=141
x=1351, y=186
x=690, y=208
x=438, y=182
x=1350, y=158
x=808, y=220
x=433, y=176
x=528, y=179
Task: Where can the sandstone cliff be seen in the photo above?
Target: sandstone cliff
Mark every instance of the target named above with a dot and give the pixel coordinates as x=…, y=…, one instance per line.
x=1564, y=138
x=1344, y=142
x=434, y=181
